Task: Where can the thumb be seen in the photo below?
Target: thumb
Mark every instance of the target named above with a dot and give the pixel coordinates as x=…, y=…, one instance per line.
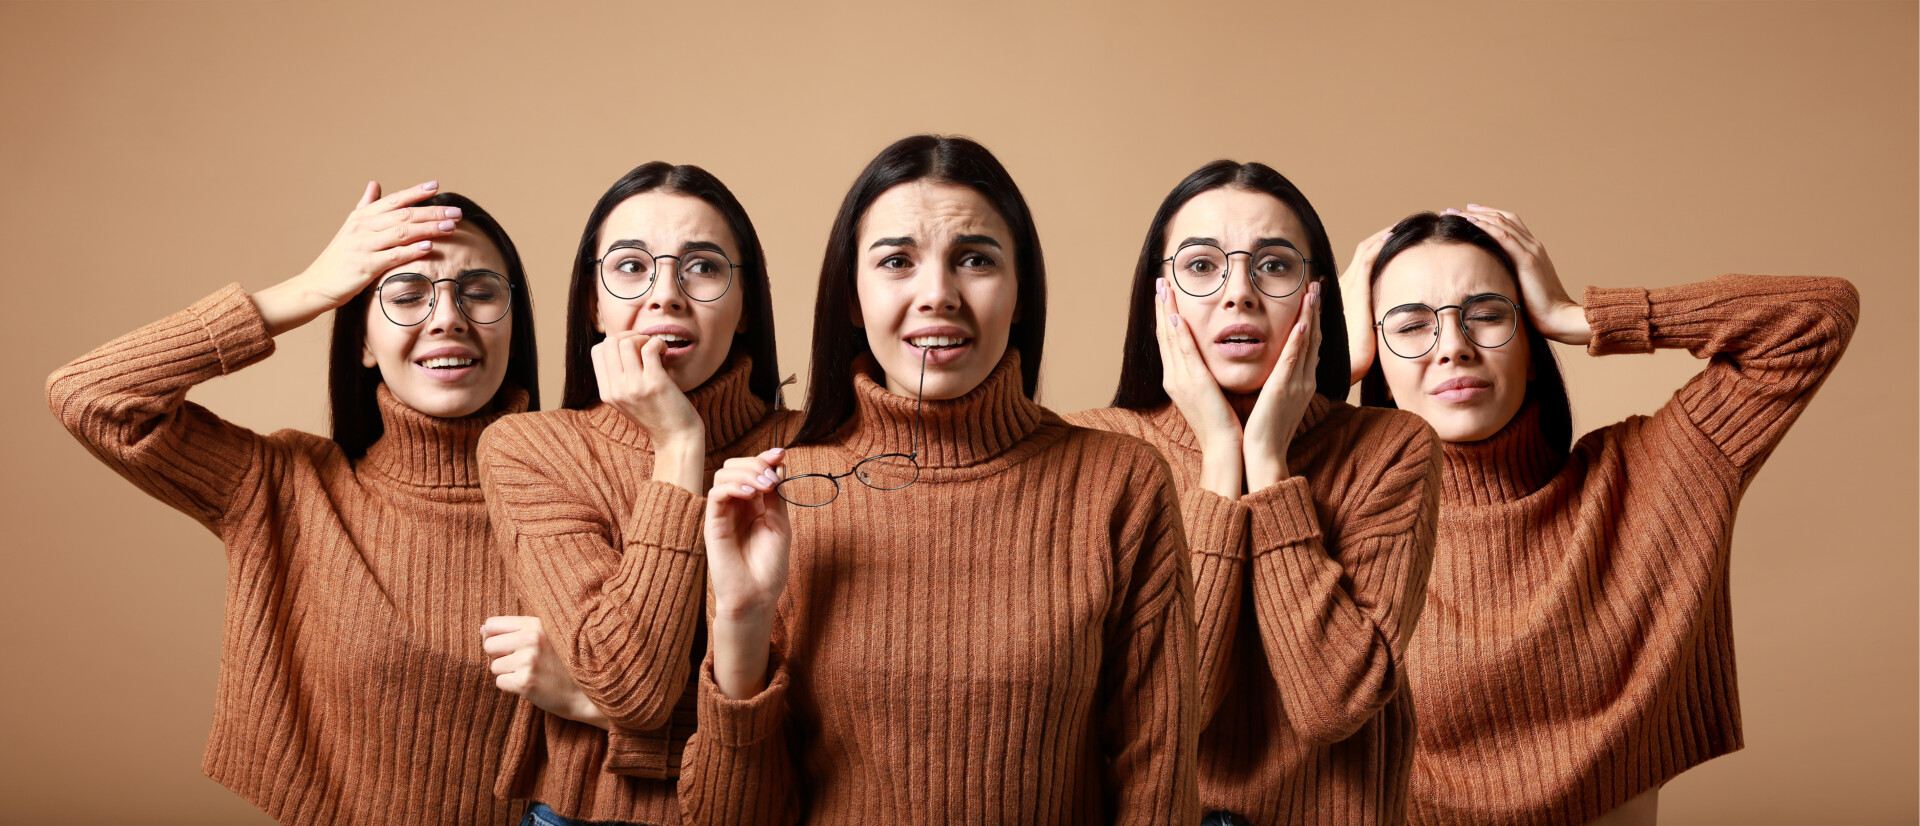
x=371, y=194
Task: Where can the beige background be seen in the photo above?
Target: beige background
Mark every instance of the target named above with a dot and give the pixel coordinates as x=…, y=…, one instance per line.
x=153, y=151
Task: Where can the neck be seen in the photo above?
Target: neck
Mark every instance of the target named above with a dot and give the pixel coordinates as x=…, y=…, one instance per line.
x=428, y=451
x=948, y=433
x=1507, y=466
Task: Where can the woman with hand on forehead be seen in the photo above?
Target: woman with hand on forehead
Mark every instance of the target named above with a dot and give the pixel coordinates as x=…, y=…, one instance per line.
x=1577, y=650
x=1309, y=521
x=598, y=505
x=358, y=565
x=944, y=604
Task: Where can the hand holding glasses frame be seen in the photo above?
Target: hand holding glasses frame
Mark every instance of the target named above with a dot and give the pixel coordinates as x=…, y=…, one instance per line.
x=1488, y=320
x=408, y=298
x=1201, y=269
x=628, y=271
x=815, y=490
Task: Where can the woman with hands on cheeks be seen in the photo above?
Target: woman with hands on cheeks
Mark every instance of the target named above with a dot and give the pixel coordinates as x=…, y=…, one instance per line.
x=1309, y=521
x=944, y=604
x=357, y=565
x=1576, y=651
x=597, y=506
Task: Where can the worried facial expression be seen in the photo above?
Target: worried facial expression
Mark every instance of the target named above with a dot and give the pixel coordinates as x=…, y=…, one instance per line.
x=1466, y=391
x=1240, y=328
x=643, y=289
x=448, y=365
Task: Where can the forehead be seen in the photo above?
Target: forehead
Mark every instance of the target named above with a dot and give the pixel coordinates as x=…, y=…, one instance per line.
x=932, y=212
x=466, y=249
x=1237, y=217
x=666, y=220
x=1438, y=274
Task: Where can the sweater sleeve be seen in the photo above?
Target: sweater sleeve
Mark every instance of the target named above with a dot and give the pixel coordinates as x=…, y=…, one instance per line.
x=623, y=618
x=740, y=769
x=1150, y=716
x=127, y=403
x=1217, y=538
x=1335, y=626
x=1769, y=341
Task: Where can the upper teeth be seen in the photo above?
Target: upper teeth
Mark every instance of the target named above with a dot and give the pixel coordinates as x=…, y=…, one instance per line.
x=447, y=362
x=935, y=341
x=1246, y=339
x=672, y=337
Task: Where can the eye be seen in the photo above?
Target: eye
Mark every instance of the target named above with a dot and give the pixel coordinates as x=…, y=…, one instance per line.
x=894, y=262
x=1274, y=266
x=974, y=260
x=1411, y=327
x=479, y=294
x=700, y=266
x=1200, y=266
x=629, y=266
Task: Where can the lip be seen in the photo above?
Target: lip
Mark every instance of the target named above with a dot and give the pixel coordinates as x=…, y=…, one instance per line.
x=673, y=354
x=944, y=355
x=1240, y=350
x=1461, y=389
x=448, y=375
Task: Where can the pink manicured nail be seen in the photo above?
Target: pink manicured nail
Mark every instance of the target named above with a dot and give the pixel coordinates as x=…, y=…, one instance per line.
x=430, y=186
x=778, y=451
x=1176, y=321
x=454, y=212
x=447, y=226
x=423, y=245
x=746, y=488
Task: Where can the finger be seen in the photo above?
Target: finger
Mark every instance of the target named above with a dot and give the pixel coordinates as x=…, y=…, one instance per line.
x=650, y=353
x=752, y=465
x=1486, y=210
x=501, y=645
x=773, y=456
x=515, y=684
x=630, y=355
x=600, y=377
x=495, y=626
x=1311, y=364
x=762, y=479
x=407, y=233
x=389, y=258
x=516, y=661
x=371, y=194
x=405, y=197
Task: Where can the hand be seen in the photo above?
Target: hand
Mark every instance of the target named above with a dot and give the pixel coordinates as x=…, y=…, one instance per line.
x=380, y=234
x=631, y=378
x=1283, y=399
x=1188, y=382
x=1555, y=314
x=748, y=542
x=1356, y=294
x=525, y=664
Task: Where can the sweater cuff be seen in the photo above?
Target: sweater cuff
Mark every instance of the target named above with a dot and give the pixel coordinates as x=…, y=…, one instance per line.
x=666, y=516
x=740, y=723
x=1215, y=524
x=1283, y=515
x=1619, y=321
x=234, y=325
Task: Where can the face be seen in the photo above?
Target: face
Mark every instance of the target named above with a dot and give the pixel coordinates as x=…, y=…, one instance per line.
x=936, y=277
x=1465, y=391
x=446, y=366
x=699, y=333
x=1240, y=330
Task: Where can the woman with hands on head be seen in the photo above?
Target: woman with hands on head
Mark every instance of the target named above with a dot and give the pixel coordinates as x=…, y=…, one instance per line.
x=1577, y=651
x=1309, y=521
x=598, y=505
x=943, y=604
x=357, y=565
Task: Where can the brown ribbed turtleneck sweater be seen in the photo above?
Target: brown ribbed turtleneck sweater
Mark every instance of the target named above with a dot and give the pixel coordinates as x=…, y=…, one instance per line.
x=612, y=563
x=352, y=686
x=1577, y=647
x=1306, y=595
x=1007, y=640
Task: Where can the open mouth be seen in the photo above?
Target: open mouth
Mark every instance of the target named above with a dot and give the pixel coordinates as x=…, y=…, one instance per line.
x=938, y=343
x=675, y=341
x=447, y=363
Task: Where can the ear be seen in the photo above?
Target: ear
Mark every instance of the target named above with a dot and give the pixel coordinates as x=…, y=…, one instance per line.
x=366, y=356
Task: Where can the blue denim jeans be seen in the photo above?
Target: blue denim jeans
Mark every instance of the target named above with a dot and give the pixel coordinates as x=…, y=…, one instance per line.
x=539, y=815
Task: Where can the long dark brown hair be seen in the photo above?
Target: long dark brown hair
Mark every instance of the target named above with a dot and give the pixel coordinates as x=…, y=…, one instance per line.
x=351, y=385
x=580, y=390
x=1547, y=388
x=1140, y=367
x=836, y=342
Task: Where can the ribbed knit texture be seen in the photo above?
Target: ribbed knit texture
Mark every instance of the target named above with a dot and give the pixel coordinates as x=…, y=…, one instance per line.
x=1577, y=647
x=352, y=685
x=612, y=563
x=1007, y=640
x=1306, y=594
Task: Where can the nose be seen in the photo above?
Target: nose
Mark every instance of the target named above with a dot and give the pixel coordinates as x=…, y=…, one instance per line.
x=1239, y=289
x=666, y=294
x=1453, y=344
x=936, y=291
x=446, y=317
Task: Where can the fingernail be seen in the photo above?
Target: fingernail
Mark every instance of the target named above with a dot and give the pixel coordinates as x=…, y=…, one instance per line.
x=454, y=212
x=430, y=186
x=423, y=245
x=746, y=488
x=1176, y=321
x=446, y=226
x=778, y=451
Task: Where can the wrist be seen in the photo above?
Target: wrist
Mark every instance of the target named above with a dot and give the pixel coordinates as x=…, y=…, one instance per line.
x=1266, y=466
x=681, y=459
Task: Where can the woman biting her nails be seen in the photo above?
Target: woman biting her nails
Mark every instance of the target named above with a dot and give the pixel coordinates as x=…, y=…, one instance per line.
x=357, y=565
x=598, y=505
x=944, y=604
x=1310, y=522
x=1577, y=647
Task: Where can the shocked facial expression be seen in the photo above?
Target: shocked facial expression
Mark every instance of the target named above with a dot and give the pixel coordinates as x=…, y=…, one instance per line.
x=447, y=365
x=668, y=268
x=936, y=278
x=1258, y=246
x=1467, y=391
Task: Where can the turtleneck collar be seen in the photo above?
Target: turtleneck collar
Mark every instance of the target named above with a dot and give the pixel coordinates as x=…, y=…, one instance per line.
x=428, y=451
x=1168, y=420
x=726, y=405
x=1504, y=467
x=955, y=433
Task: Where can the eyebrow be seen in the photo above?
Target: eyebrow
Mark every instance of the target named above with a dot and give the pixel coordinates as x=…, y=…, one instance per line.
x=1275, y=242
x=896, y=241
x=627, y=242
x=977, y=239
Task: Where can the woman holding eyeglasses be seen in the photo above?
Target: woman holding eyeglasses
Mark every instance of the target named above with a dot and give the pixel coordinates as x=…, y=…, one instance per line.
x=597, y=506
x=943, y=604
x=1576, y=651
x=358, y=566
x=1309, y=521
